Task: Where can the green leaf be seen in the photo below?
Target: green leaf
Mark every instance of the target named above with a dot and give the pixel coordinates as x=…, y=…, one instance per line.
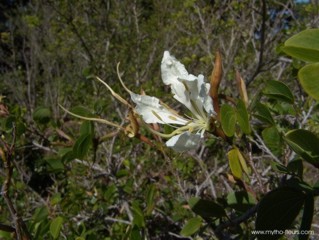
x=82, y=111
x=40, y=214
x=138, y=216
x=241, y=201
x=234, y=163
x=272, y=139
x=41, y=229
x=191, y=227
x=206, y=208
x=55, y=227
x=42, y=115
x=307, y=216
x=135, y=234
x=150, y=199
x=242, y=161
x=295, y=166
x=228, y=119
x=277, y=211
x=309, y=80
x=304, y=45
x=305, y=144
x=279, y=167
x=263, y=114
x=68, y=156
x=279, y=91
x=55, y=164
x=87, y=127
x=242, y=117
x=82, y=145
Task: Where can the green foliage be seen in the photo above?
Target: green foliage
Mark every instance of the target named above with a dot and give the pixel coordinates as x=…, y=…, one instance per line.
x=279, y=91
x=308, y=77
x=228, y=119
x=240, y=201
x=85, y=180
x=305, y=144
x=206, y=209
x=192, y=226
x=277, y=211
x=243, y=117
x=304, y=45
x=237, y=163
x=263, y=113
x=273, y=140
x=55, y=227
x=307, y=216
x=42, y=115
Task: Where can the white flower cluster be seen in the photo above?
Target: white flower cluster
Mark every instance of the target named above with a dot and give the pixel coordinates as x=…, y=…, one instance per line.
x=189, y=90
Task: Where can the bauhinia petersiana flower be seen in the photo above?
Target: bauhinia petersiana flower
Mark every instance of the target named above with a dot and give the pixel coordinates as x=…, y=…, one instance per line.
x=189, y=90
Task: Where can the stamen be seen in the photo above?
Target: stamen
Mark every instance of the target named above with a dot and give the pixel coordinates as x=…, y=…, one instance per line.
x=119, y=76
x=93, y=119
x=169, y=135
x=117, y=96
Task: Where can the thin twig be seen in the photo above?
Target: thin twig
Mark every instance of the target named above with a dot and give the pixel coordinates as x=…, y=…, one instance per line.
x=235, y=222
x=6, y=154
x=262, y=146
x=262, y=43
x=251, y=163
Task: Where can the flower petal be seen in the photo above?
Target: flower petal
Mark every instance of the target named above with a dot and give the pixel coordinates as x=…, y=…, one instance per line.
x=175, y=74
x=188, y=89
x=184, y=142
x=172, y=70
x=201, y=96
x=153, y=112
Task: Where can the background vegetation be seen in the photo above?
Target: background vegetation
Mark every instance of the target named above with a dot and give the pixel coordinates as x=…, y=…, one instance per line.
x=74, y=179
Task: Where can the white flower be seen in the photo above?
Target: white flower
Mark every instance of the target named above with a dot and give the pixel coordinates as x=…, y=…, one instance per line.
x=189, y=90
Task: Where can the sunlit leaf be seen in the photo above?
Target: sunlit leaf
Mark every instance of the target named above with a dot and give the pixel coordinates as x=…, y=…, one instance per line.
x=55, y=227
x=304, y=45
x=234, y=163
x=192, y=226
x=309, y=80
